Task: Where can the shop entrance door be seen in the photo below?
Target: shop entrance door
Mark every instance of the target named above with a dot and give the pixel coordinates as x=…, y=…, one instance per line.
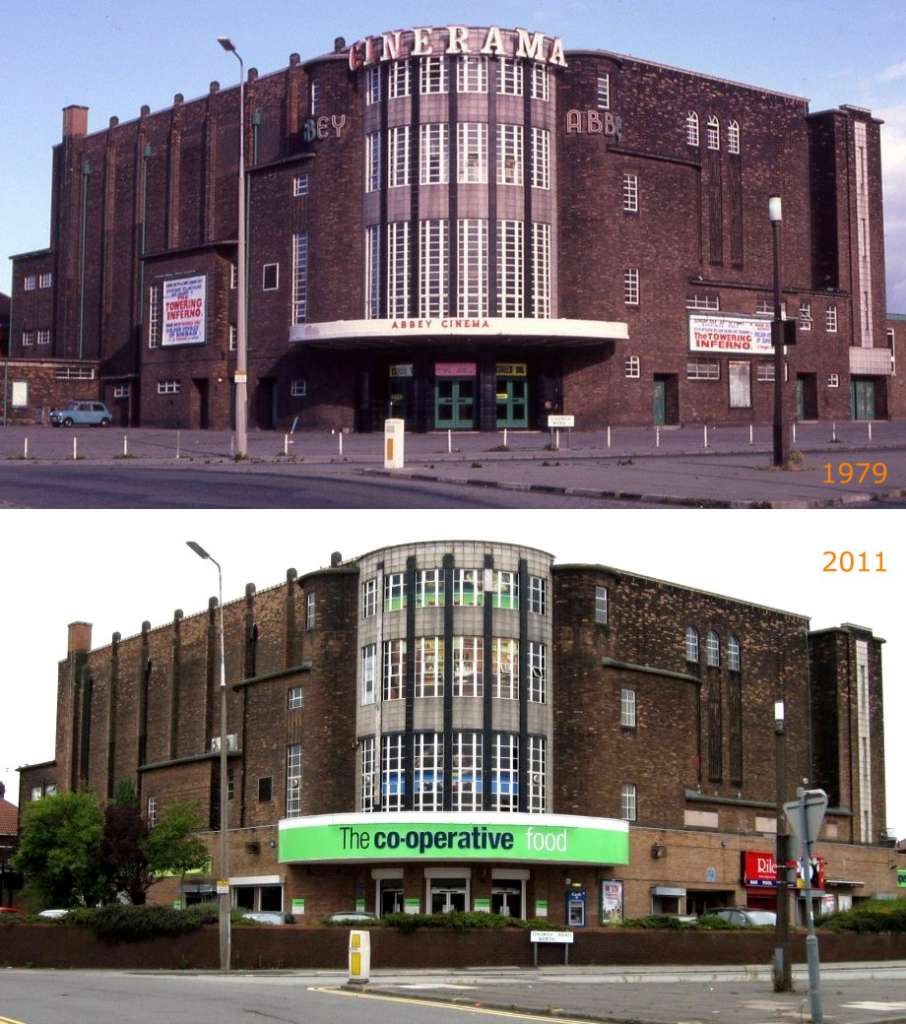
x=391, y=896
x=447, y=895
x=399, y=399
x=862, y=399
x=454, y=403
x=506, y=898
x=512, y=403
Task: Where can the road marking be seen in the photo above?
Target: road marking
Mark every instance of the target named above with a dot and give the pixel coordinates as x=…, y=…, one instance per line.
x=883, y=1007
x=10, y=1020
x=513, y=1015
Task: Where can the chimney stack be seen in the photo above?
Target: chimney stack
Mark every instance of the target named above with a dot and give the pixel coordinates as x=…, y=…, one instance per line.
x=75, y=120
x=79, y=637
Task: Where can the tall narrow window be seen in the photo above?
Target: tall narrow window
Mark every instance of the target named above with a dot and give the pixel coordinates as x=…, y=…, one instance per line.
x=153, y=316
x=372, y=161
x=472, y=74
x=712, y=649
x=510, y=259
x=733, y=136
x=830, y=319
x=432, y=269
x=537, y=665
x=150, y=817
x=467, y=587
x=506, y=592
x=393, y=777
x=428, y=765
x=433, y=75
x=733, y=658
x=434, y=154
x=429, y=666
x=537, y=595
x=509, y=81
x=628, y=808
x=311, y=610
x=603, y=92
x=467, y=769
x=692, y=128
x=468, y=666
x=627, y=709
x=300, y=188
x=300, y=278
x=373, y=84
x=472, y=164
x=398, y=269
x=631, y=193
x=473, y=268
x=505, y=667
x=715, y=732
x=601, y=609
x=509, y=154
x=394, y=591
x=537, y=775
x=315, y=98
x=505, y=772
x=692, y=644
x=429, y=588
x=394, y=675
x=293, y=780
x=805, y=316
x=713, y=131
x=368, y=775
x=398, y=142
x=372, y=272
x=399, y=79
x=540, y=82
x=541, y=269
x=541, y=158
x=369, y=654
x=631, y=286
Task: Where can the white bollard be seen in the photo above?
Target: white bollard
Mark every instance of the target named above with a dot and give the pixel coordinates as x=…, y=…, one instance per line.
x=340, y=436
x=834, y=431
x=706, y=435
x=657, y=437
x=359, y=957
x=608, y=437
x=286, y=444
x=869, y=430
x=557, y=439
x=504, y=437
x=449, y=442
x=751, y=433
x=25, y=449
x=178, y=443
x=394, y=444
x=794, y=433
x=75, y=447
x=125, y=445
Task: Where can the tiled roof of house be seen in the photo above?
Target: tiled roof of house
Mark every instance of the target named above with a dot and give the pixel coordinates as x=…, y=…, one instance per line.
x=9, y=817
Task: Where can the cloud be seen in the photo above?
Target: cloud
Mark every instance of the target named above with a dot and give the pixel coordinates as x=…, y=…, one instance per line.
x=892, y=73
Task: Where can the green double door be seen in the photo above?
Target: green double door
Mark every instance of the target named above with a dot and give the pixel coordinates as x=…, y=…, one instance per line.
x=512, y=402
x=454, y=403
x=862, y=399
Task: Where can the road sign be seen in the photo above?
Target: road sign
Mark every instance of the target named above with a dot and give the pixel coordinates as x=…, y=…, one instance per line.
x=815, y=805
x=560, y=421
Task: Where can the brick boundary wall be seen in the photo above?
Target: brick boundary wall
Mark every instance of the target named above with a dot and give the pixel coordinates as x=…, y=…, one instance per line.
x=325, y=948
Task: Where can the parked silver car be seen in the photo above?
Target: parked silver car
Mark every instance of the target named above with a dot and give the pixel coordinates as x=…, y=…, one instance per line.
x=742, y=917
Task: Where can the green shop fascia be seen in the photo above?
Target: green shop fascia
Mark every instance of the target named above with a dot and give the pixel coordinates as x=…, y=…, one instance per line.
x=444, y=836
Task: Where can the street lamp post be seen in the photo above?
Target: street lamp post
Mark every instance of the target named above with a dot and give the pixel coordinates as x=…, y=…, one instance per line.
x=781, y=438
x=240, y=378
x=223, y=890
x=783, y=973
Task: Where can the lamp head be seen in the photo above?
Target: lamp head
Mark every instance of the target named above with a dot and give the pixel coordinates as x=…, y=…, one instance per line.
x=226, y=43
x=775, y=210
x=198, y=549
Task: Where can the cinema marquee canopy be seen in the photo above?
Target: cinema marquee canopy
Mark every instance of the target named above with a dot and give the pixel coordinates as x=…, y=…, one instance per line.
x=444, y=836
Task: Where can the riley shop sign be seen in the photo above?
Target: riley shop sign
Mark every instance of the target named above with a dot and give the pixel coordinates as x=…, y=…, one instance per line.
x=456, y=39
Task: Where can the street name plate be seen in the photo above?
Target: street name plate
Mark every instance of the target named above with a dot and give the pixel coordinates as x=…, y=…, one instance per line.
x=552, y=937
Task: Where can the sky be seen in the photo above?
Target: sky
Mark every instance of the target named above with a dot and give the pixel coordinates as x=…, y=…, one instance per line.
x=115, y=569
x=115, y=56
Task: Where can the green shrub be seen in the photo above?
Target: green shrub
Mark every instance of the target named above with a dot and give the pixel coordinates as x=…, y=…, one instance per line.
x=871, y=916
x=459, y=921
x=653, y=921
x=713, y=923
x=133, y=924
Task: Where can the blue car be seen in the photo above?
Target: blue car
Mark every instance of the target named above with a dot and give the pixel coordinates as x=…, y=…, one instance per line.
x=82, y=414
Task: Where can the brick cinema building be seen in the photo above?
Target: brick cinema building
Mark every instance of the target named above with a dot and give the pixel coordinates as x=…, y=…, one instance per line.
x=469, y=229
x=467, y=725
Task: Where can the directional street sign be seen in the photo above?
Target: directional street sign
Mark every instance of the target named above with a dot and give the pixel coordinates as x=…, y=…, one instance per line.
x=815, y=806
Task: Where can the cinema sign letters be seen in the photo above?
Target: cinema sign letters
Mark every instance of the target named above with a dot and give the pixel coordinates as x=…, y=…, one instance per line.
x=495, y=42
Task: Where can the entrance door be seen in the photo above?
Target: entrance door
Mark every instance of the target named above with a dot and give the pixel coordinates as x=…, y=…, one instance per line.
x=512, y=402
x=399, y=398
x=454, y=403
x=506, y=898
x=448, y=895
x=391, y=896
x=660, y=401
x=267, y=403
x=862, y=398
x=201, y=397
x=806, y=396
x=666, y=399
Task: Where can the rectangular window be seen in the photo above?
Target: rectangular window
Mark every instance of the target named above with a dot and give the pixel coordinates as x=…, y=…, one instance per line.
x=473, y=268
x=121, y=391
x=373, y=85
x=631, y=193
x=429, y=588
x=505, y=667
x=398, y=143
x=398, y=269
x=428, y=765
x=394, y=591
x=699, y=301
x=394, y=675
x=429, y=666
x=603, y=92
x=509, y=77
x=293, y=780
x=466, y=779
x=765, y=307
x=702, y=369
x=45, y=280
x=468, y=666
x=833, y=380
x=537, y=666
x=233, y=337
x=168, y=387
x=298, y=388
x=632, y=368
x=368, y=780
x=43, y=337
x=627, y=709
x=294, y=698
x=830, y=319
x=369, y=655
x=432, y=268
x=30, y=282
x=537, y=771
x=153, y=316
x=628, y=802
x=510, y=259
x=77, y=373
x=434, y=154
x=369, y=598
x=399, y=79
x=712, y=130
x=740, y=374
x=541, y=158
x=472, y=163
x=631, y=286
x=28, y=338
x=300, y=278
x=372, y=161
x=265, y=789
x=541, y=269
x=433, y=75
x=472, y=74
x=311, y=610
x=270, y=277
x=300, y=185
x=805, y=316
x=231, y=784
x=509, y=154
x=601, y=605
x=764, y=372
x=505, y=773
x=467, y=587
x=234, y=277
x=540, y=82
x=538, y=595
x=315, y=97
x=372, y=272
x=393, y=777
x=151, y=816
x=506, y=590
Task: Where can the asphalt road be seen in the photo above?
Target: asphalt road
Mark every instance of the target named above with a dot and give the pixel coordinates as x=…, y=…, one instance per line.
x=61, y=485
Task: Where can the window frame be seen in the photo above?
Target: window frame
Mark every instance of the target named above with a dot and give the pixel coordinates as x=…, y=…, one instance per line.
x=293, y=780
x=505, y=667
x=394, y=597
x=429, y=667
x=537, y=595
x=468, y=666
x=630, y=192
x=369, y=597
x=275, y=268
x=537, y=670
x=631, y=286
x=295, y=698
x=629, y=802
x=692, y=643
x=693, y=132
x=602, y=606
x=393, y=664
x=712, y=649
x=300, y=185
x=368, y=661
x=628, y=708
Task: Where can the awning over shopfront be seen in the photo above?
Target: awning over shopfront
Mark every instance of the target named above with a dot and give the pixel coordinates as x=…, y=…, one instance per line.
x=409, y=331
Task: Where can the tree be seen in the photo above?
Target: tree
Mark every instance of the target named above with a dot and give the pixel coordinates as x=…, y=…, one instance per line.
x=60, y=849
x=123, y=848
x=171, y=846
